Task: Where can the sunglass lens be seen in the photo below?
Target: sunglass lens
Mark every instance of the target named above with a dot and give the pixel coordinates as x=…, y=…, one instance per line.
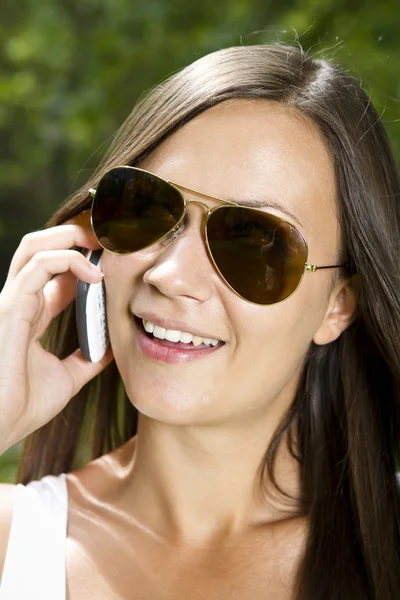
x=133, y=209
x=259, y=255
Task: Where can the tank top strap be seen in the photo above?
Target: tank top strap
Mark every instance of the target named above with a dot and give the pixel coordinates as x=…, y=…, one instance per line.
x=35, y=560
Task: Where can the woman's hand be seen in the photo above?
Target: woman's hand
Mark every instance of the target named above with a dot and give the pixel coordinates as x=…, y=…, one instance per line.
x=34, y=384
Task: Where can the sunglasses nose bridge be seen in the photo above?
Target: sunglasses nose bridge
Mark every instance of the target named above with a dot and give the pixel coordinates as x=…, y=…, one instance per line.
x=198, y=202
x=204, y=220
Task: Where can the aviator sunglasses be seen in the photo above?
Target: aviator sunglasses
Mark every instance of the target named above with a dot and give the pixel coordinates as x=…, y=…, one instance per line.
x=260, y=256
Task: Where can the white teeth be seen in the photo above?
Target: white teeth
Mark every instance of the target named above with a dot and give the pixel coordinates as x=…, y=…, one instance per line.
x=174, y=335
x=186, y=338
x=148, y=326
x=197, y=340
x=159, y=332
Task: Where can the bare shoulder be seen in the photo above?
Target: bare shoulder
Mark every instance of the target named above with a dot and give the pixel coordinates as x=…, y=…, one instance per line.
x=7, y=501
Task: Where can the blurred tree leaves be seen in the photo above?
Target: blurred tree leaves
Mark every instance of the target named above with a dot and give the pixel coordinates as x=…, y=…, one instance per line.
x=71, y=70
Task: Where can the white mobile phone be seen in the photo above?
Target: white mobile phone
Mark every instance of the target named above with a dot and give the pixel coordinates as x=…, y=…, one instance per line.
x=91, y=316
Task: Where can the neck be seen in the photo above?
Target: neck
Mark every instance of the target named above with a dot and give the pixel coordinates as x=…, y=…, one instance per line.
x=199, y=484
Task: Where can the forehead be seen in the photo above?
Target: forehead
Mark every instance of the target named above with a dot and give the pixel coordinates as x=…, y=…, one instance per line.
x=252, y=150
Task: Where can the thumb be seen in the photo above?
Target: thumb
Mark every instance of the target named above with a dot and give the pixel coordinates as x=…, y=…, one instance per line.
x=82, y=370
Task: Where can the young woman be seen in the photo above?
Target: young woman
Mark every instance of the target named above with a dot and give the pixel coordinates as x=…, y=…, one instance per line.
x=244, y=421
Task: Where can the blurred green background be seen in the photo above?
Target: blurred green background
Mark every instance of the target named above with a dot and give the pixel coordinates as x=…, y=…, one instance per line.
x=71, y=71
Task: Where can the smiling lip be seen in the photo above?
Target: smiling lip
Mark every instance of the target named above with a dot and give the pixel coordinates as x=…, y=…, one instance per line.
x=174, y=325
x=170, y=352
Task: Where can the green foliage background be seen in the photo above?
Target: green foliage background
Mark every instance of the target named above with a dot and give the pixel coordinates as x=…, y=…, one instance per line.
x=71, y=70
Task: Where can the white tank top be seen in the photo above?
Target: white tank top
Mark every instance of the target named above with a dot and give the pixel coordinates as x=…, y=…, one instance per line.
x=35, y=560
x=34, y=566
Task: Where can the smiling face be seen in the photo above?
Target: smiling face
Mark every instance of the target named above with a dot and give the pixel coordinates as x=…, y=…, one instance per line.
x=243, y=150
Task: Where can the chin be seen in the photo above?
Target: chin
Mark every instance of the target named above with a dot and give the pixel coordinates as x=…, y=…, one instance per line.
x=172, y=407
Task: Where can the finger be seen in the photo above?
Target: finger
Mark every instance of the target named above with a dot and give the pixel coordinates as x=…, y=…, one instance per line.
x=38, y=272
x=54, y=238
x=82, y=370
x=59, y=292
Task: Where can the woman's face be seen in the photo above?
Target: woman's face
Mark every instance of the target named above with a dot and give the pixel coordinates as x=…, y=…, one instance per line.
x=247, y=150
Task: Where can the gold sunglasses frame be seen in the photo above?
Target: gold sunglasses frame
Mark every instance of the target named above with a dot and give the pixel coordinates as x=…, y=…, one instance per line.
x=178, y=188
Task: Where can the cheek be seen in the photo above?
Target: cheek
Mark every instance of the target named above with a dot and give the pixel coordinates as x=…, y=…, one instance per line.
x=116, y=291
x=121, y=277
x=271, y=349
x=119, y=283
x=115, y=267
x=269, y=357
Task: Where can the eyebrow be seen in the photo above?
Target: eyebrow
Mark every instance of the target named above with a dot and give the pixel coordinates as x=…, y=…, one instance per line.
x=256, y=203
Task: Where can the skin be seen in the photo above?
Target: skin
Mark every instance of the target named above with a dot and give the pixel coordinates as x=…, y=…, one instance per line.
x=185, y=489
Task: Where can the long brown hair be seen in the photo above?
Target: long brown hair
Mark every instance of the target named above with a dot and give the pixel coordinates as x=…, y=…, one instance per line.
x=345, y=414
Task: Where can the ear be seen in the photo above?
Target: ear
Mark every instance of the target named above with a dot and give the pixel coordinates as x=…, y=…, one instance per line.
x=341, y=312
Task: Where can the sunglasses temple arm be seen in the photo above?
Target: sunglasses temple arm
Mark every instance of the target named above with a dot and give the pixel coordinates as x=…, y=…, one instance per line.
x=315, y=268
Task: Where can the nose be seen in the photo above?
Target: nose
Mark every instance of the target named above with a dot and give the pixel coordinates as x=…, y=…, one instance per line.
x=182, y=267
